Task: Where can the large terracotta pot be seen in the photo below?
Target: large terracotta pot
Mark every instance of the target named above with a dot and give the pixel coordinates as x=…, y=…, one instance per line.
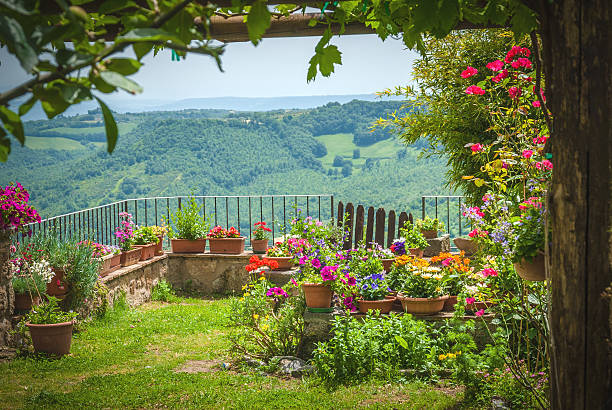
x=130, y=257
x=110, y=263
x=429, y=234
x=449, y=304
x=146, y=251
x=422, y=306
x=533, y=270
x=230, y=246
x=54, y=339
x=259, y=246
x=317, y=295
x=284, y=262
x=188, y=246
x=56, y=287
x=386, y=263
x=467, y=245
x=383, y=305
x=23, y=301
x=416, y=252
x=159, y=246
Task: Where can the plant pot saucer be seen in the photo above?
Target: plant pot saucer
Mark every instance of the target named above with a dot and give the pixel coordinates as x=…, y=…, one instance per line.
x=320, y=310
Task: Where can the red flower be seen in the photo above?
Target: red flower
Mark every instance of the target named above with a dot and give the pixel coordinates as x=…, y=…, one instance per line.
x=468, y=72
x=476, y=147
x=536, y=103
x=480, y=312
x=514, y=92
x=474, y=90
x=495, y=65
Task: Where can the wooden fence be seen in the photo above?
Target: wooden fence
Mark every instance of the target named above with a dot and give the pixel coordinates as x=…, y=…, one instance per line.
x=372, y=226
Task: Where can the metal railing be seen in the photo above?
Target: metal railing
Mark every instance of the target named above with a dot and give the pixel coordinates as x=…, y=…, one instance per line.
x=442, y=204
x=241, y=211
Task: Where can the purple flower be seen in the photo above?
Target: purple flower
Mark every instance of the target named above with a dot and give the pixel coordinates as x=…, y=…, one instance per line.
x=316, y=263
x=276, y=292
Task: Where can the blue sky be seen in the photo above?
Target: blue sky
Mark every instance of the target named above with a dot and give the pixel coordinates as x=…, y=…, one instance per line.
x=277, y=67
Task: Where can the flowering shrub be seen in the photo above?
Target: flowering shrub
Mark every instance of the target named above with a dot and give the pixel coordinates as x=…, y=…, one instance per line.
x=315, y=231
x=289, y=247
x=30, y=275
x=421, y=281
x=411, y=238
x=125, y=231
x=454, y=269
x=529, y=229
x=218, y=233
x=159, y=230
x=261, y=231
x=98, y=250
x=14, y=209
x=373, y=287
x=259, y=266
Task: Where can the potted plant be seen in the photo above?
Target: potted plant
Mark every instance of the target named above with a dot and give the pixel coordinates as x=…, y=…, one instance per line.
x=29, y=278
x=386, y=256
x=317, y=277
x=429, y=227
x=188, y=234
x=125, y=236
x=528, y=246
x=423, y=290
x=260, y=266
x=50, y=327
x=411, y=240
x=146, y=239
x=259, y=241
x=225, y=241
x=160, y=232
x=454, y=269
x=373, y=291
x=109, y=256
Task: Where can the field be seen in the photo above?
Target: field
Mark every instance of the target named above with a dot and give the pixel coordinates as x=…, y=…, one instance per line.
x=342, y=144
x=58, y=143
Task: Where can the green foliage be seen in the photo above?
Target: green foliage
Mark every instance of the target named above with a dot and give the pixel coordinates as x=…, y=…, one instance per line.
x=413, y=236
x=429, y=224
x=145, y=235
x=188, y=222
x=48, y=313
x=31, y=284
x=163, y=292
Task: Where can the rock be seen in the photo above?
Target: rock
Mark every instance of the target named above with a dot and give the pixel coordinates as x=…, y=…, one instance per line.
x=437, y=246
x=253, y=362
x=497, y=403
x=293, y=366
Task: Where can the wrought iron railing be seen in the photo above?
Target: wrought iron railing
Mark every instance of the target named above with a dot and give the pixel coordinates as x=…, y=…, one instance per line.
x=449, y=204
x=241, y=211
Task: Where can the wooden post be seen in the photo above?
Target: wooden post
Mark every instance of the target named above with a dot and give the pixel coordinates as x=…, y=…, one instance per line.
x=391, y=228
x=403, y=219
x=348, y=226
x=370, y=228
x=380, y=227
x=359, y=225
x=340, y=213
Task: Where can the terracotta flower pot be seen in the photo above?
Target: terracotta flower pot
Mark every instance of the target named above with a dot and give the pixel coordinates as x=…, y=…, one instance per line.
x=23, y=301
x=284, y=262
x=188, y=246
x=259, y=245
x=54, y=338
x=449, y=304
x=422, y=306
x=416, y=252
x=467, y=245
x=159, y=246
x=386, y=263
x=147, y=251
x=110, y=263
x=130, y=257
x=384, y=305
x=534, y=270
x=230, y=246
x=56, y=287
x=317, y=295
x=430, y=234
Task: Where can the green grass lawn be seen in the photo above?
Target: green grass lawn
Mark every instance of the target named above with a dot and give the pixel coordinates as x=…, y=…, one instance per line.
x=124, y=128
x=53, y=143
x=132, y=358
x=342, y=144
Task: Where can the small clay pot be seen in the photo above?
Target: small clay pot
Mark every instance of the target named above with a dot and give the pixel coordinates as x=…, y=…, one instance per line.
x=386, y=263
x=317, y=295
x=130, y=257
x=259, y=246
x=56, y=287
x=23, y=301
x=384, y=305
x=534, y=270
x=449, y=304
x=284, y=262
x=429, y=234
x=147, y=251
x=416, y=252
x=159, y=246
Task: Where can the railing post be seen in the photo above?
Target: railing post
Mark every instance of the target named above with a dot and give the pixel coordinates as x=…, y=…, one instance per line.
x=423, y=206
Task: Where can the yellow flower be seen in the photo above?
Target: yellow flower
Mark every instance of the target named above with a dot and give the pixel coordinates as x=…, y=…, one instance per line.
x=442, y=357
x=247, y=294
x=438, y=289
x=241, y=299
x=264, y=327
x=255, y=316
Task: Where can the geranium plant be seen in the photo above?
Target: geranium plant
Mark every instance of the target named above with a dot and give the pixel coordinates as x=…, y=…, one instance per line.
x=259, y=266
x=261, y=231
x=14, y=209
x=219, y=233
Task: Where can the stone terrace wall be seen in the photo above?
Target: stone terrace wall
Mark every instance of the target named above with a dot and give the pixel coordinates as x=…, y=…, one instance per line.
x=208, y=273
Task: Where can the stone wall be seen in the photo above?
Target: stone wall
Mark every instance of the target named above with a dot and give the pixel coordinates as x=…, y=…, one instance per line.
x=6, y=291
x=208, y=273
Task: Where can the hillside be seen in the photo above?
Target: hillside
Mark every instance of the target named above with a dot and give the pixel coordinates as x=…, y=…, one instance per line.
x=218, y=152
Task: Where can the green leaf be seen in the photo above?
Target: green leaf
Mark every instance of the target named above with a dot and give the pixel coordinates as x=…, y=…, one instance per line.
x=142, y=49
x=16, y=6
x=329, y=56
x=402, y=342
x=13, y=36
x=110, y=125
x=120, y=81
x=523, y=20
x=12, y=122
x=312, y=23
x=26, y=106
x=125, y=66
x=51, y=100
x=102, y=85
x=5, y=146
x=148, y=34
x=258, y=21
x=111, y=6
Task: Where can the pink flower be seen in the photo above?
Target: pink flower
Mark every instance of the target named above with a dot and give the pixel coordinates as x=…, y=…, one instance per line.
x=514, y=92
x=503, y=74
x=489, y=272
x=527, y=153
x=473, y=234
x=476, y=147
x=535, y=103
x=495, y=65
x=468, y=72
x=447, y=261
x=470, y=301
x=547, y=164
x=475, y=90
x=480, y=313
x=524, y=62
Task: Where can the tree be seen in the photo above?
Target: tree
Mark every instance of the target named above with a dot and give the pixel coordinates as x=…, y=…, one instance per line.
x=338, y=161
x=356, y=153
x=347, y=169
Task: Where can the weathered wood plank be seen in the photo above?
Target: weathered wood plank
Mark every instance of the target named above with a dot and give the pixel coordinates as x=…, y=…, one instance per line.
x=348, y=225
x=359, y=214
x=370, y=228
x=403, y=219
x=380, y=227
x=340, y=213
x=391, y=228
